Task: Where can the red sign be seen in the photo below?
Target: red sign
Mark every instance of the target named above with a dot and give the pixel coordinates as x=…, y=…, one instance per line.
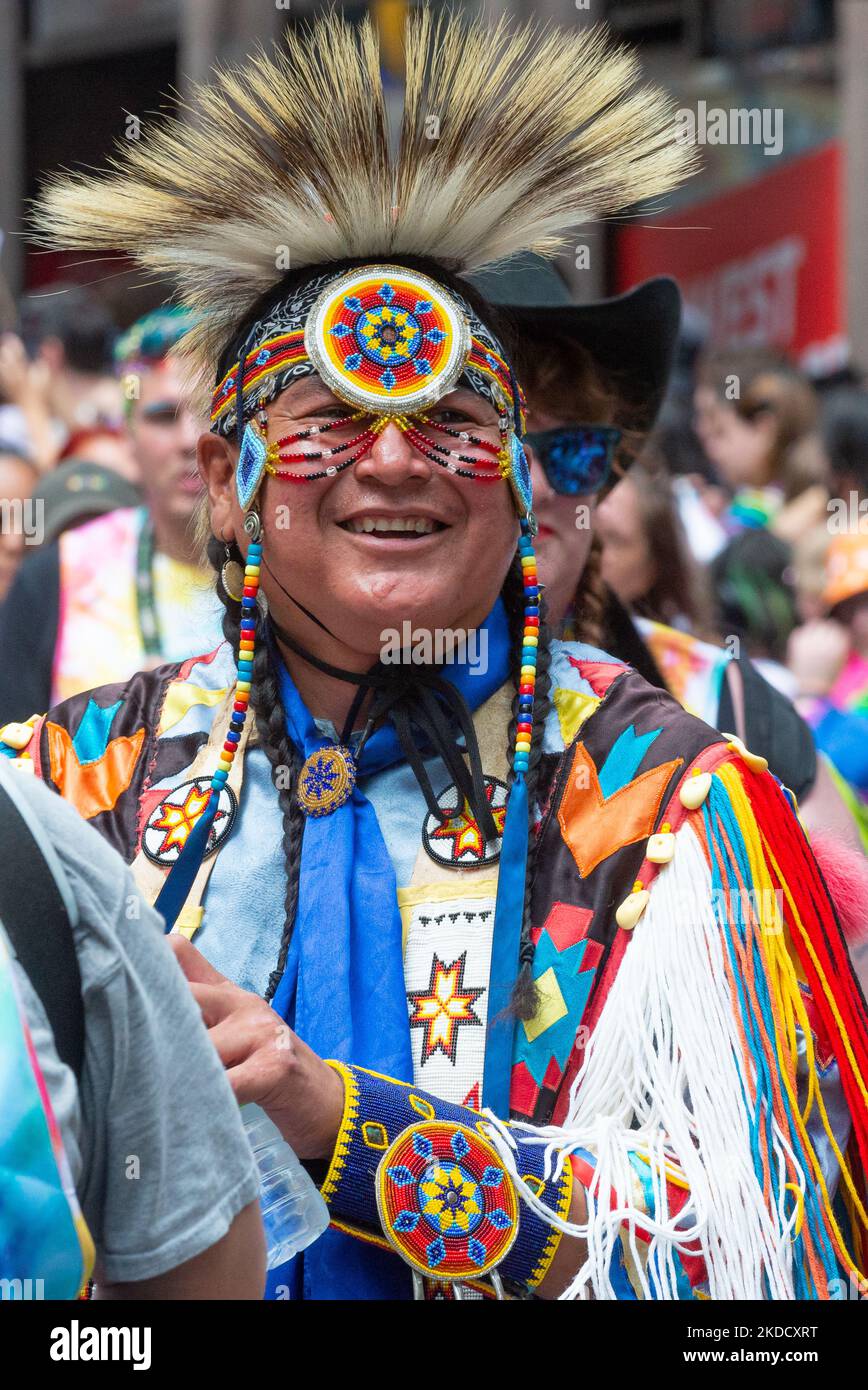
x=764, y=263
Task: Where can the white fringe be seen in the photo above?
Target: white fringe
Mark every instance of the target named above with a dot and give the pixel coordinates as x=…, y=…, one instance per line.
x=663, y=1075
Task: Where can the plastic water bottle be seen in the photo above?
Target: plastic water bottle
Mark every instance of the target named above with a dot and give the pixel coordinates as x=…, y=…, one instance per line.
x=293, y=1212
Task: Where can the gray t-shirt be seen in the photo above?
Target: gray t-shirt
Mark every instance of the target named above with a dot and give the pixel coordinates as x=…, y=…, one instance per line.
x=154, y=1138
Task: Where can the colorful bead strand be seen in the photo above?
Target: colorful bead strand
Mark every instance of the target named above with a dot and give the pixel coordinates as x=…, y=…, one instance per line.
x=246, y=649
x=529, y=644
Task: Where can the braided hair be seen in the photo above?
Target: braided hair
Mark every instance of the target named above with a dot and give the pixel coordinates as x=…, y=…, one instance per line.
x=282, y=754
x=525, y=995
x=586, y=616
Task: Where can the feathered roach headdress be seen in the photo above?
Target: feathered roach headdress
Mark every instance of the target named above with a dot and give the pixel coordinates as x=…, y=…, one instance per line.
x=509, y=137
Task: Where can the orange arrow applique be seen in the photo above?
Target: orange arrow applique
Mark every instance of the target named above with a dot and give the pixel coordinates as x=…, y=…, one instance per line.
x=96, y=786
x=595, y=826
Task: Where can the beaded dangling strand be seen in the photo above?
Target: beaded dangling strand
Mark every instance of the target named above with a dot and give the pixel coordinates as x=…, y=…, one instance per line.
x=529, y=644
x=512, y=873
x=246, y=649
x=179, y=881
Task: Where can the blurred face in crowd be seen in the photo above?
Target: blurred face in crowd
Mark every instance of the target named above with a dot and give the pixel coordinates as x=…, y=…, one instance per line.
x=565, y=524
x=440, y=565
x=17, y=480
x=628, y=565
x=164, y=433
x=740, y=449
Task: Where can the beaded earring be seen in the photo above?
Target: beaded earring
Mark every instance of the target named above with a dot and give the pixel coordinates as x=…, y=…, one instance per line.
x=254, y=456
x=232, y=576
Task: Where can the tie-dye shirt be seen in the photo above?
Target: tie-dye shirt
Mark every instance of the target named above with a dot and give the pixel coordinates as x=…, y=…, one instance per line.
x=99, y=639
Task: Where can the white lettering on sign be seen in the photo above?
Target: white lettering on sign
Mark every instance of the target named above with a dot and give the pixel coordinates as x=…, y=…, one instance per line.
x=752, y=302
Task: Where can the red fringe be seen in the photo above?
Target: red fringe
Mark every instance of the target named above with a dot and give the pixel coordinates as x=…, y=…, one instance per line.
x=802, y=874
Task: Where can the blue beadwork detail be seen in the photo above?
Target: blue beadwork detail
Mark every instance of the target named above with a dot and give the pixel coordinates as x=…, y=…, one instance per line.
x=492, y=1177
x=459, y=1144
x=340, y=330
x=436, y=1252
x=401, y=1176
x=388, y=379
x=250, y=467
x=422, y=1145
x=519, y=474
x=477, y=1251
x=386, y=293
x=500, y=1218
x=406, y=1220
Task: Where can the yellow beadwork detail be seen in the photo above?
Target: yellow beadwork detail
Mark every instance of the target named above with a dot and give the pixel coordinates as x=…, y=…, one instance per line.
x=375, y=1135
x=565, y=1197
x=422, y=1107
x=345, y=1132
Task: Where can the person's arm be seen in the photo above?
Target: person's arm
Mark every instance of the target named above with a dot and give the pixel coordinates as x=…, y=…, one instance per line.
x=24, y=384
x=719, y=1107
x=29, y=618
x=166, y=1178
x=232, y=1268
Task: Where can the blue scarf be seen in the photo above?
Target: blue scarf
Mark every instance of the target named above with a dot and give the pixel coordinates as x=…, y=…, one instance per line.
x=343, y=989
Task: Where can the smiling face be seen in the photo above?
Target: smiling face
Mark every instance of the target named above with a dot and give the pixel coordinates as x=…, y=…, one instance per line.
x=394, y=537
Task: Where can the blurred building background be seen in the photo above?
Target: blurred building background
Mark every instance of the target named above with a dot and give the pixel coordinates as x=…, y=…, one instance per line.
x=769, y=247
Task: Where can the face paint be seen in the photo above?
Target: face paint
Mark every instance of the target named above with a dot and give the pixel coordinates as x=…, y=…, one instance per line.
x=390, y=343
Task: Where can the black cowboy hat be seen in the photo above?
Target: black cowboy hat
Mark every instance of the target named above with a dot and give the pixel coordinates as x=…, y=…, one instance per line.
x=632, y=337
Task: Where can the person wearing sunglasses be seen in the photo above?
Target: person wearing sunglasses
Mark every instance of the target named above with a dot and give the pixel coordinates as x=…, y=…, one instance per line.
x=596, y=375
x=118, y=592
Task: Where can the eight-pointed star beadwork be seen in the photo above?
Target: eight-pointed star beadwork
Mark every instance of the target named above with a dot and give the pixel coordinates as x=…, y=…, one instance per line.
x=443, y=1007
x=463, y=830
x=177, y=820
x=451, y=1199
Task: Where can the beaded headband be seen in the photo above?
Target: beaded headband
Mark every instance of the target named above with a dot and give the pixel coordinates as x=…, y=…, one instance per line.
x=390, y=342
x=282, y=342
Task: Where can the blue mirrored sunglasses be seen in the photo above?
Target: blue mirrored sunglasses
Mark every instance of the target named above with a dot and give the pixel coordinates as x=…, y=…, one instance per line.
x=576, y=459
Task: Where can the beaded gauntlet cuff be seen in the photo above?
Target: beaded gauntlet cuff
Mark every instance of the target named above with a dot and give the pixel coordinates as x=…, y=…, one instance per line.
x=420, y=1176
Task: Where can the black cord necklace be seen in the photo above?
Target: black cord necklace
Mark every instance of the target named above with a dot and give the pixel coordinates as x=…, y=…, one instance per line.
x=417, y=698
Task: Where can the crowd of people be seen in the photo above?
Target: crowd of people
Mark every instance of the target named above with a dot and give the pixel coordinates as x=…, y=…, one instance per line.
x=543, y=963
x=724, y=521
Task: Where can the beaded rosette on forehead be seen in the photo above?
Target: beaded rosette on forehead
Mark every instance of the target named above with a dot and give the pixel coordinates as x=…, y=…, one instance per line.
x=382, y=338
x=390, y=342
